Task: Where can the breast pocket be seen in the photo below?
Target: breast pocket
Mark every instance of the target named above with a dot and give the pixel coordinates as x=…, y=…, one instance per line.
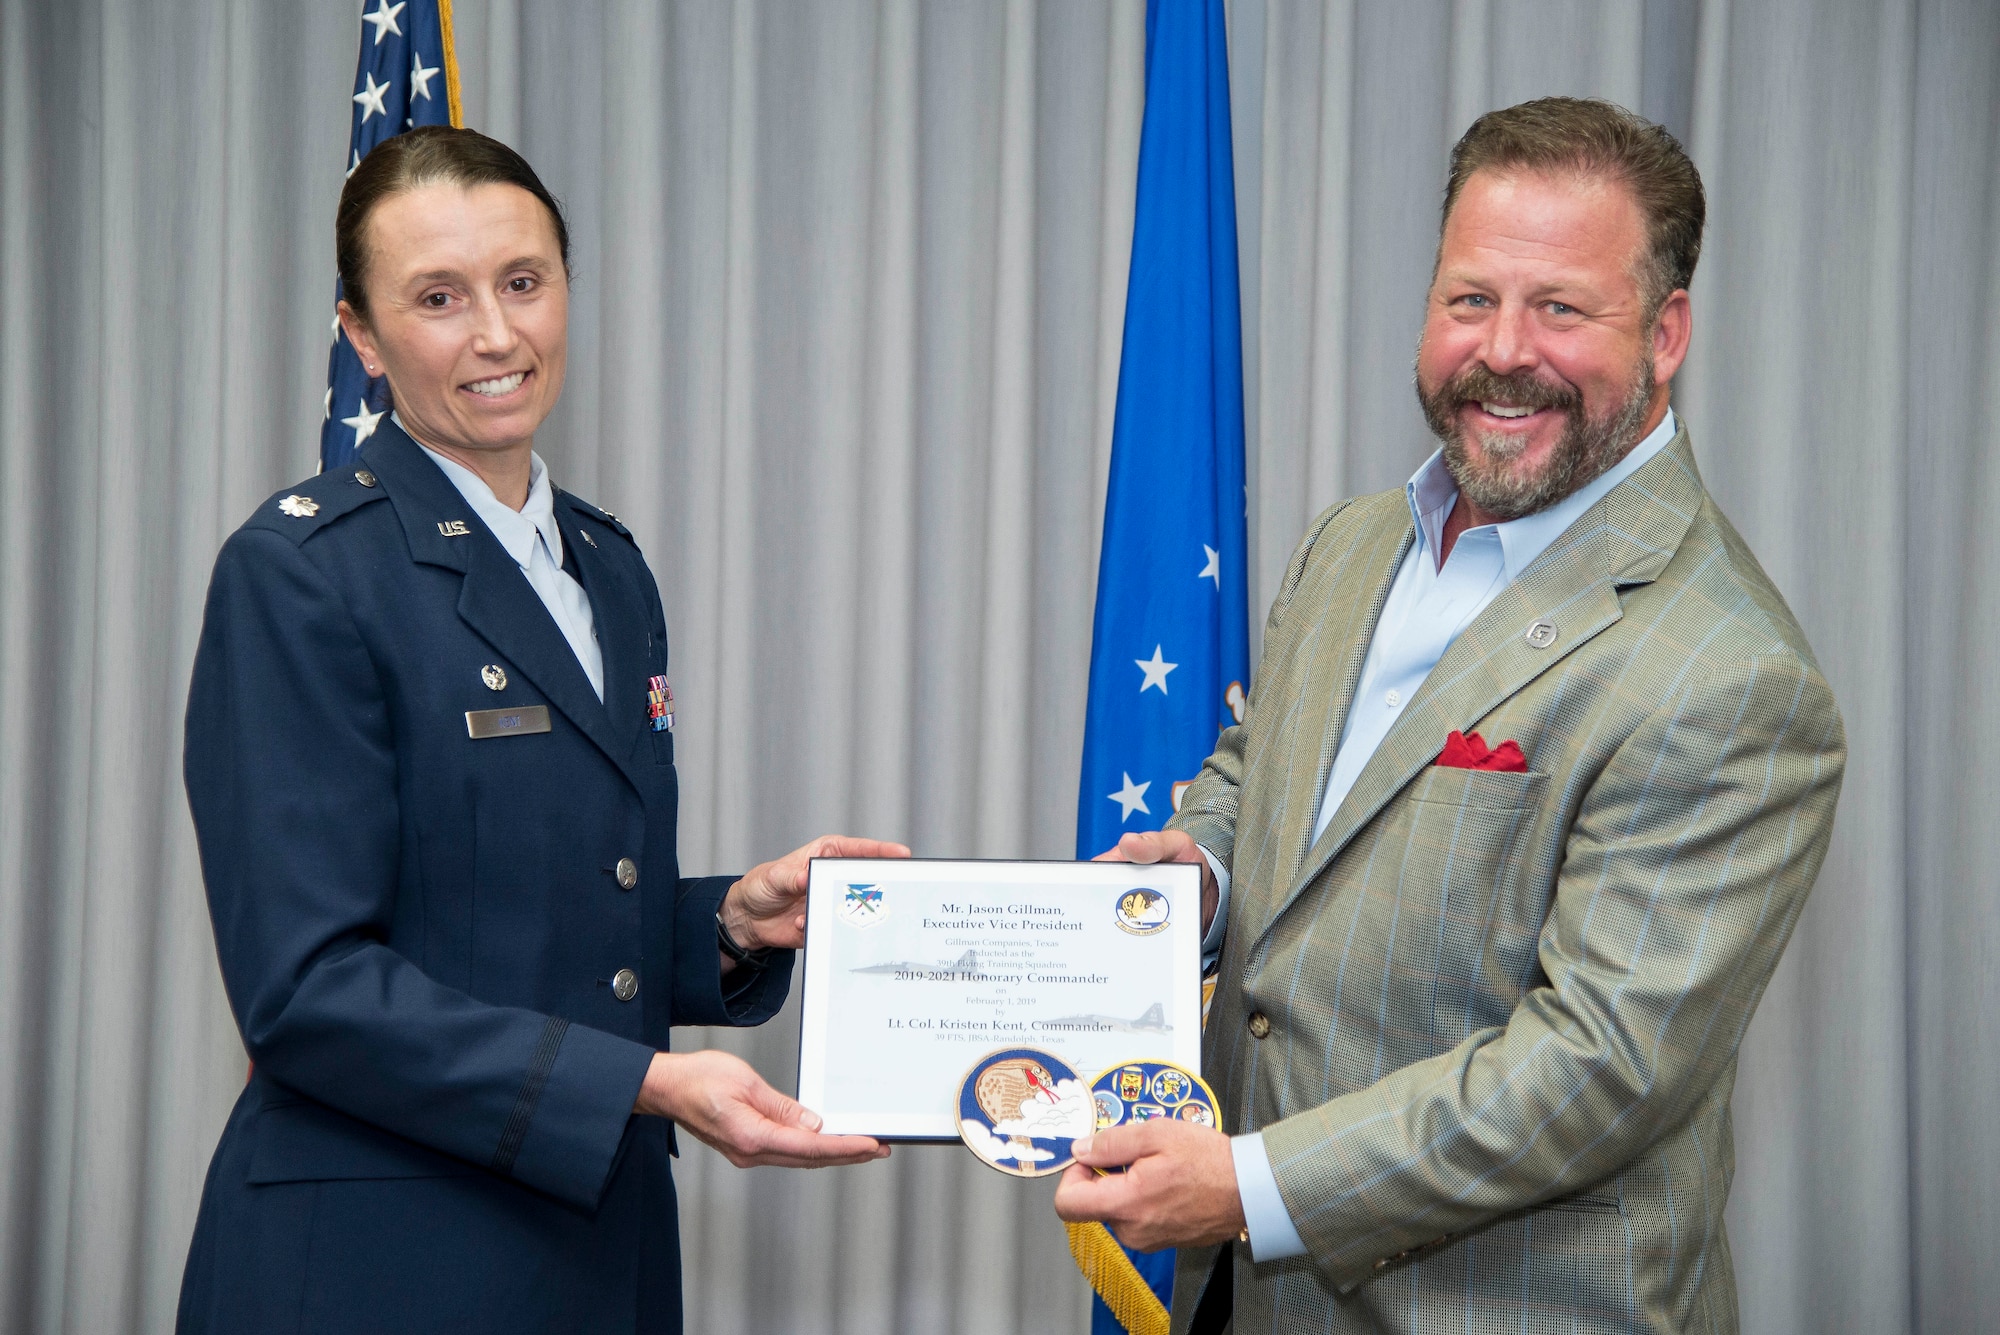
x=1468, y=832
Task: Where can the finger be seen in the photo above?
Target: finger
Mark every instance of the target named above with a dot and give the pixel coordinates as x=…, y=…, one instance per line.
x=849, y=846
x=1140, y=848
x=779, y=1108
x=811, y=1147
x=1082, y=1195
x=1112, y=1148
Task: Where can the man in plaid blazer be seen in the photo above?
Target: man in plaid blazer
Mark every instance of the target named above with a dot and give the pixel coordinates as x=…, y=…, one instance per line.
x=1536, y=774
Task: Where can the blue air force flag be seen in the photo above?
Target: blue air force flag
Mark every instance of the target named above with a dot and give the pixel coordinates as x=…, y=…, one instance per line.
x=406, y=77
x=1170, y=651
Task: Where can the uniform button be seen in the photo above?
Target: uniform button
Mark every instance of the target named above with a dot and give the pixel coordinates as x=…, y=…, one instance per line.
x=624, y=984
x=364, y=477
x=1260, y=1024
x=627, y=872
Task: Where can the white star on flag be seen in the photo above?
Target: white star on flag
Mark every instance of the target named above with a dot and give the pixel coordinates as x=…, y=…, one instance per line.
x=420, y=78
x=384, y=19
x=363, y=423
x=370, y=98
x=1156, y=671
x=1213, y=570
x=1132, y=797
x=329, y=401
x=357, y=160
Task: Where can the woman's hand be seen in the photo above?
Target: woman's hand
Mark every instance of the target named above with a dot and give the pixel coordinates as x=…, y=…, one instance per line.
x=726, y=1105
x=767, y=907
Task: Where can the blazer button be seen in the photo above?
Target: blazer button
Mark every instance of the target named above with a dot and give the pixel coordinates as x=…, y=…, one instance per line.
x=624, y=984
x=627, y=872
x=1260, y=1024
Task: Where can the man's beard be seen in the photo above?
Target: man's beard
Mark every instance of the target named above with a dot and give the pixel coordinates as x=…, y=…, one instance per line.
x=1498, y=482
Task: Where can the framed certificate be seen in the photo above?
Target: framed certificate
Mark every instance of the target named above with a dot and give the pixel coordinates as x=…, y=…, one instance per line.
x=915, y=969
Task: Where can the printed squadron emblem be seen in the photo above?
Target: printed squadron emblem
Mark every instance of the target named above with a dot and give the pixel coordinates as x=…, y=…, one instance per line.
x=1020, y=1109
x=1172, y=1086
x=863, y=906
x=1142, y=912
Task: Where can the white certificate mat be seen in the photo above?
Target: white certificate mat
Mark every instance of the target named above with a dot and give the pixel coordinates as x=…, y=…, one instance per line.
x=915, y=969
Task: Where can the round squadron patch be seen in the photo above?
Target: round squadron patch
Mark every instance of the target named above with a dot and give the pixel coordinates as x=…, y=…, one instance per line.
x=1145, y=1090
x=1019, y=1110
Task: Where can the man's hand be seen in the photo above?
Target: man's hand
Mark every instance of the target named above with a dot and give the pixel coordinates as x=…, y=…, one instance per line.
x=1168, y=846
x=767, y=907
x=726, y=1105
x=1178, y=1189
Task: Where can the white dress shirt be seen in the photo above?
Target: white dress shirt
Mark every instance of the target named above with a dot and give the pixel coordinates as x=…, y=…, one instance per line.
x=1428, y=605
x=531, y=537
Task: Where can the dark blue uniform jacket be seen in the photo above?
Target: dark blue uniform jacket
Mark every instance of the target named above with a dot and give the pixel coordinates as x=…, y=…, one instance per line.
x=419, y=930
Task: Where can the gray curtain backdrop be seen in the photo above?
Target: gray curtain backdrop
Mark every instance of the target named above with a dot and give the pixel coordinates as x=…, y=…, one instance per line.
x=845, y=340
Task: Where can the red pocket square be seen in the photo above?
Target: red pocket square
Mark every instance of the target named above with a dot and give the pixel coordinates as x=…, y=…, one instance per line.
x=1463, y=752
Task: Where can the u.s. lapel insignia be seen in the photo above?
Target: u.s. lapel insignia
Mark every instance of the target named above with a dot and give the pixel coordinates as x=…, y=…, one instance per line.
x=299, y=507
x=453, y=528
x=660, y=704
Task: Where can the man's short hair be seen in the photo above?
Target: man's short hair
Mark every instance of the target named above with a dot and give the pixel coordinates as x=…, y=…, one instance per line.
x=1592, y=137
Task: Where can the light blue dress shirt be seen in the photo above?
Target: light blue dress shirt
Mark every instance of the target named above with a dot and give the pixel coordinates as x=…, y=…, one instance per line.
x=1428, y=605
x=531, y=537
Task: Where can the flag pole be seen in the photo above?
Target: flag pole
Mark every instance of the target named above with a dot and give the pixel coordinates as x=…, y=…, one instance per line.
x=450, y=65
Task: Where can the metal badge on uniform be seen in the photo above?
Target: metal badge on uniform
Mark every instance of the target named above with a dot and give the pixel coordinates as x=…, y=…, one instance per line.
x=1020, y=1109
x=660, y=704
x=299, y=507
x=453, y=528
x=1143, y=1091
x=494, y=676
x=588, y=541
x=516, y=722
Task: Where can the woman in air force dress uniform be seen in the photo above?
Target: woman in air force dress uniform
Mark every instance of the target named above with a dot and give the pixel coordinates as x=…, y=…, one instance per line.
x=434, y=792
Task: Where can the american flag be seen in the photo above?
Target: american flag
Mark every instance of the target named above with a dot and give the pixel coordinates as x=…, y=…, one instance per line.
x=406, y=77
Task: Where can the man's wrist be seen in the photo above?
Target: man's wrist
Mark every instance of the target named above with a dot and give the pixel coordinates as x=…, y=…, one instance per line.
x=1267, y=1224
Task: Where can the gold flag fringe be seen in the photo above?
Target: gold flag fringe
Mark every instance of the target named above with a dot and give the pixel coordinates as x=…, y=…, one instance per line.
x=1116, y=1280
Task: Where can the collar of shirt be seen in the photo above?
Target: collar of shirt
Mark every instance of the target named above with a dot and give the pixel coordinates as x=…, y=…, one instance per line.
x=516, y=529
x=1432, y=494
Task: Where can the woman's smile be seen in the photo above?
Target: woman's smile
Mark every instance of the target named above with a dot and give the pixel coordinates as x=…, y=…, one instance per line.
x=500, y=387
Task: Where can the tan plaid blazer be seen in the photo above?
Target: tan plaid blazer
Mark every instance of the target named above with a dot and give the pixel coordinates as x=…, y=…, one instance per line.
x=1488, y=1023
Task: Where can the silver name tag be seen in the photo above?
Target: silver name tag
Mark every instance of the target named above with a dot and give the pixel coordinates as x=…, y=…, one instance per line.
x=516, y=722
